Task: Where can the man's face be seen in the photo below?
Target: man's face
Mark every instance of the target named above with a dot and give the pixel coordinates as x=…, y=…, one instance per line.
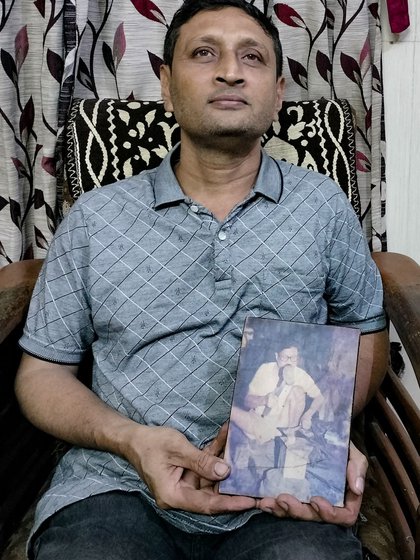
x=289, y=374
x=223, y=78
x=288, y=356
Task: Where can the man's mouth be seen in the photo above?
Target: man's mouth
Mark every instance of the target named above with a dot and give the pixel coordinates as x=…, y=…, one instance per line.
x=228, y=101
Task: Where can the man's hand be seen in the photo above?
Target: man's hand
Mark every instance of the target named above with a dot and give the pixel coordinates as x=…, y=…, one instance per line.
x=56, y=401
x=320, y=509
x=179, y=475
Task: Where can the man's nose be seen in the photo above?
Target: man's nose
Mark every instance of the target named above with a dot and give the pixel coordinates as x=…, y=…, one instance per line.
x=229, y=70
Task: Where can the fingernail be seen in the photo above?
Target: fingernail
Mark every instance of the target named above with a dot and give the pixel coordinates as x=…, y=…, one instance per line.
x=267, y=510
x=284, y=506
x=315, y=507
x=221, y=468
x=360, y=484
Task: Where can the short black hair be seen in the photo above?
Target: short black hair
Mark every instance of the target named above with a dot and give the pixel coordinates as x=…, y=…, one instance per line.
x=192, y=7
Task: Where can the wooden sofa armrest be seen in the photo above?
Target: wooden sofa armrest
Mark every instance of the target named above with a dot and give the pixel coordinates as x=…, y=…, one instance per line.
x=393, y=416
x=29, y=455
x=17, y=281
x=401, y=279
x=391, y=438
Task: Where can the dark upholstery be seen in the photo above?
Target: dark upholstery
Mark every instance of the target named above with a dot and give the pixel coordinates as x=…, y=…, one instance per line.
x=108, y=140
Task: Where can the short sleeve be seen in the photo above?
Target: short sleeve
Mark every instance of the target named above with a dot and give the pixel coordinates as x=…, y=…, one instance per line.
x=264, y=381
x=354, y=287
x=59, y=326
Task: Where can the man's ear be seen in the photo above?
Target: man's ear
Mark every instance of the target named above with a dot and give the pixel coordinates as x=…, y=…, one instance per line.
x=165, y=81
x=280, y=86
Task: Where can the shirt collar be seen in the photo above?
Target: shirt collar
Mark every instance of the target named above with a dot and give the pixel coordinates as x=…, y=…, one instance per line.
x=269, y=181
x=166, y=187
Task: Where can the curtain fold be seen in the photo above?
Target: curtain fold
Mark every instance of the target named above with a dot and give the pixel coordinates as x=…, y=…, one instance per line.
x=54, y=50
x=30, y=77
x=332, y=48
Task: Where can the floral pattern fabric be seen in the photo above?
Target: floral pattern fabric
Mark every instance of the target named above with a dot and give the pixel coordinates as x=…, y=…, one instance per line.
x=108, y=140
x=30, y=75
x=332, y=48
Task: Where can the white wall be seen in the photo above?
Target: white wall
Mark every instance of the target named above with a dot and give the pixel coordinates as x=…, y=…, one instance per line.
x=401, y=71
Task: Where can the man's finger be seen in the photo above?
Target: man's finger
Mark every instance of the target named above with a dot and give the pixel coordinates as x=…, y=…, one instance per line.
x=208, y=502
x=286, y=505
x=346, y=515
x=202, y=462
x=296, y=509
x=217, y=445
x=356, y=470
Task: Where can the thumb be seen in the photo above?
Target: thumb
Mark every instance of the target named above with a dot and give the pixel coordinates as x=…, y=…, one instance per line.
x=356, y=470
x=207, y=465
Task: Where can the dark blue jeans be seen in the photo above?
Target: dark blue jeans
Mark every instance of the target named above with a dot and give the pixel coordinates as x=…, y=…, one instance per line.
x=119, y=526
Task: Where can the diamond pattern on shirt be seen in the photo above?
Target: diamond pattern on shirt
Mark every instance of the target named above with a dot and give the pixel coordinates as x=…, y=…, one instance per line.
x=163, y=297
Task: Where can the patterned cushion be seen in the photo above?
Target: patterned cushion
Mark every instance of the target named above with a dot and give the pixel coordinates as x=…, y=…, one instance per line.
x=318, y=135
x=108, y=140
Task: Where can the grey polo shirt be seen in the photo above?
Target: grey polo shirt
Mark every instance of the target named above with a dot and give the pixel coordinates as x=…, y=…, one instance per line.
x=161, y=289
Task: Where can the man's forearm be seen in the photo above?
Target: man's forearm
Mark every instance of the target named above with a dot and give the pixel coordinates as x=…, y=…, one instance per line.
x=371, y=367
x=55, y=401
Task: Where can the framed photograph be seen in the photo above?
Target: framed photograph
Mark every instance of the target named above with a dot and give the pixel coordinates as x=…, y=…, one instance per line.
x=290, y=419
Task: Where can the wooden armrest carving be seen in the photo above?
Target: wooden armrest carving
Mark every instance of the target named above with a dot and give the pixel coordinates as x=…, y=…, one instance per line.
x=396, y=467
x=397, y=432
x=403, y=403
x=401, y=280
x=400, y=526
x=393, y=417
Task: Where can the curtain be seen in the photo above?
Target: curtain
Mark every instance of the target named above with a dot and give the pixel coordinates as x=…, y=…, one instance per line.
x=53, y=50
x=30, y=77
x=332, y=48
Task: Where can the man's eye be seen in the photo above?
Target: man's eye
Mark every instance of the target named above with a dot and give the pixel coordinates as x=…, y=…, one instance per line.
x=252, y=56
x=202, y=53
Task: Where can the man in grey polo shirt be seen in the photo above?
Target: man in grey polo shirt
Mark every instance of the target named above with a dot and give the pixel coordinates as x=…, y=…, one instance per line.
x=156, y=274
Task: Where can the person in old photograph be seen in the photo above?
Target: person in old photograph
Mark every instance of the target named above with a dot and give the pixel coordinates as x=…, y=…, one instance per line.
x=290, y=441
x=277, y=409
x=279, y=389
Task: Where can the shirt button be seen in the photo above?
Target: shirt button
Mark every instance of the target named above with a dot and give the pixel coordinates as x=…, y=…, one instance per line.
x=194, y=208
x=222, y=235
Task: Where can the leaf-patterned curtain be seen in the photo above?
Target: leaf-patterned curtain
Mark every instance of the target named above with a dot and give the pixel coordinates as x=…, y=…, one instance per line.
x=52, y=50
x=332, y=48
x=30, y=75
